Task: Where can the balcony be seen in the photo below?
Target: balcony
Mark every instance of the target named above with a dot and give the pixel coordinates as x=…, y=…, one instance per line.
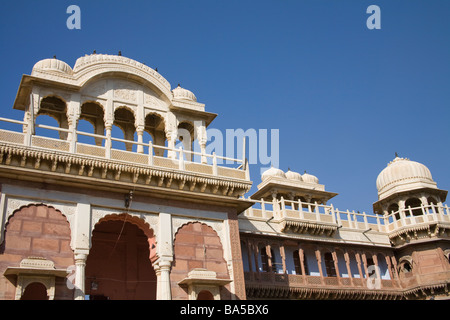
x=302, y=217
x=271, y=285
x=407, y=218
x=314, y=218
x=148, y=164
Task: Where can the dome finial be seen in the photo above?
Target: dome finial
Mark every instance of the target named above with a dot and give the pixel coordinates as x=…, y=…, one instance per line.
x=396, y=154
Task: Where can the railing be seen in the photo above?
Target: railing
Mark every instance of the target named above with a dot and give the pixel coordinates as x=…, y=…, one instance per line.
x=293, y=280
x=411, y=216
x=313, y=212
x=176, y=158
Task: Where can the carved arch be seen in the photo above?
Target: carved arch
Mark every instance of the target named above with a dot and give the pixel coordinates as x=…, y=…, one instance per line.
x=140, y=223
x=10, y=213
x=216, y=226
x=156, y=82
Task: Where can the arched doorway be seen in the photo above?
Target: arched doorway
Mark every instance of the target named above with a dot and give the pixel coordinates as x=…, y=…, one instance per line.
x=205, y=295
x=35, y=291
x=118, y=265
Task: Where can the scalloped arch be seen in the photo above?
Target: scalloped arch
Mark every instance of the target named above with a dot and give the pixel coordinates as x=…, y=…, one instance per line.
x=9, y=216
x=140, y=223
x=218, y=234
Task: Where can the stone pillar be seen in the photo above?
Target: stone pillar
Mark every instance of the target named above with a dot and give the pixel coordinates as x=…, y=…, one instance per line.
x=301, y=254
x=319, y=264
x=283, y=258
x=140, y=137
x=30, y=115
x=73, y=114
x=401, y=209
x=72, y=136
x=249, y=255
x=377, y=272
x=171, y=139
x=165, y=253
x=201, y=137
x=80, y=266
x=275, y=203
x=108, y=142
x=269, y=258
x=336, y=265
x=347, y=265
x=358, y=261
x=163, y=280
x=255, y=252
x=80, y=245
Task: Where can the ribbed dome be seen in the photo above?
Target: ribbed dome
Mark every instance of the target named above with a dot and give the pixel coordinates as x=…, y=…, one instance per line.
x=402, y=170
x=309, y=178
x=52, y=65
x=292, y=175
x=273, y=172
x=183, y=94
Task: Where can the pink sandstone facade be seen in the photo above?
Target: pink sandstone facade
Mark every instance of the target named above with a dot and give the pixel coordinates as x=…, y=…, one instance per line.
x=159, y=218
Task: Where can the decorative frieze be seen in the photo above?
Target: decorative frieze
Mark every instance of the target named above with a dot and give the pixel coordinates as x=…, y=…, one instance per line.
x=113, y=170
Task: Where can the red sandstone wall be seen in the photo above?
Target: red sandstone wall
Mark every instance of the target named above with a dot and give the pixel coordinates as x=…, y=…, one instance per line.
x=39, y=231
x=197, y=245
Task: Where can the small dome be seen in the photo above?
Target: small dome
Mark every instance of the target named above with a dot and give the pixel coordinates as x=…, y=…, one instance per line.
x=183, y=94
x=292, y=175
x=273, y=172
x=403, y=170
x=52, y=65
x=309, y=178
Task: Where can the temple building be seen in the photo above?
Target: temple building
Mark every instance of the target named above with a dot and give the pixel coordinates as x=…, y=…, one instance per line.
x=85, y=214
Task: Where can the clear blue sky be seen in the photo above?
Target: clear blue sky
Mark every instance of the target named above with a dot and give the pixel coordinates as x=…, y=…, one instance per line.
x=345, y=98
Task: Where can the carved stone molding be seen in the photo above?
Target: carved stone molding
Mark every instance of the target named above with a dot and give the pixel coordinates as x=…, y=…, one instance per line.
x=72, y=164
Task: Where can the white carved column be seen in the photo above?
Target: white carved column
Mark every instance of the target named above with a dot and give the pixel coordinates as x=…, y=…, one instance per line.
x=73, y=114
x=108, y=142
x=171, y=139
x=275, y=206
x=109, y=116
x=30, y=115
x=401, y=209
x=165, y=253
x=80, y=279
x=171, y=131
x=140, y=138
x=81, y=232
x=200, y=135
x=158, y=280
x=139, y=123
x=164, y=280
